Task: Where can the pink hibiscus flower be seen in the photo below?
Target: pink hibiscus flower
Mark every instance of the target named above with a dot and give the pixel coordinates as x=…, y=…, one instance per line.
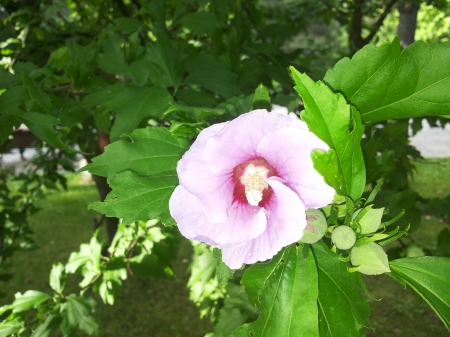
x=245, y=186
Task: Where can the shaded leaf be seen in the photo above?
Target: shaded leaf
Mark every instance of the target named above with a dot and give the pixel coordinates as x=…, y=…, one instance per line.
x=343, y=311
x=37, y=94
x=428, y=276
x=30, y=299
x=49, y=327
x=151, y=151
x=285, y=290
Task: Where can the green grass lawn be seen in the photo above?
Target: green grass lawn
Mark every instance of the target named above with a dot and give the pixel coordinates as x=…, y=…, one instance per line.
x=160, y=308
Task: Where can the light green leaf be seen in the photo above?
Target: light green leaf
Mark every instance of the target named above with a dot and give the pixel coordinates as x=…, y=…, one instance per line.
x=428, y=276
x=58, y=278
x=135, y=104
x=49, y=327
x=43, y=127
x=343, y=311
x=371, y=259
x=10, y=327
x=261, y=98
x=327, y=165
x=285, y=290
x=385, y=83
x=330, y=117
x=369, y=219
x=89, y=257
x=30, y=299
x=151, y=151
x=134, y=197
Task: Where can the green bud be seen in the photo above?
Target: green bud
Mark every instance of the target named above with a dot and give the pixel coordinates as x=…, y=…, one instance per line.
x=343, y=237
x=371, y=259
x=369, y=219
x=316, y=226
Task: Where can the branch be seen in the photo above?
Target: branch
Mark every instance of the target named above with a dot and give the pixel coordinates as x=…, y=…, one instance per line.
x=380, y=21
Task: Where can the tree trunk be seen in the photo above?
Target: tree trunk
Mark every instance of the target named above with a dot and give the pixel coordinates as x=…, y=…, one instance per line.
x=407, y=23
x=355, y=39
x=102, y=184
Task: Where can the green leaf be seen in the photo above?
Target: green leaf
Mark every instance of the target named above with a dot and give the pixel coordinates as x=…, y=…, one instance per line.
x=58, y=278
x=130, y=190
x=37, y=94
x=112, y=60
x=261, y=98
x=369, y=219
x=78, y=312
x=151, y=151
x=6, y=79
x=220, y=81
x=343, y=311
x=11, y=327
x=285, y=290
x=89, y=256
x=12, y=98
x=43, y=127
x=428, y=276
x=327, y=165
x=330, y=117
x=385, y=83
x=7, y=122
x=371, y=259
x=135, y=104
x=49, y=327
x=30, y=299
x=200, y=22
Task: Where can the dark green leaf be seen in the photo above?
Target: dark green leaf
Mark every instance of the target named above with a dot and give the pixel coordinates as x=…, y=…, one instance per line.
x=37, y=94
x=221, y=81
x=134, y=197
x=78, y=312
x=428, y=276
x=330, y=117
x=285, y=291
x=200, y=22
x=43, y=127
x=6, y=79
x=134, y=104
x=152, y=151
x=385, y=83
x=12, y=98
x=6, y=126
x=343, y=311
x=49, y=327
x=113, y=60
x=30, y=299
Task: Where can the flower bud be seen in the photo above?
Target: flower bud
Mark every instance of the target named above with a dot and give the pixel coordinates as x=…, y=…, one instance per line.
x=343, y=237
x=316, y=226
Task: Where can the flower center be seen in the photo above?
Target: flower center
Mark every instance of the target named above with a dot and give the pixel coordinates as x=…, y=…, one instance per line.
x=250, y=181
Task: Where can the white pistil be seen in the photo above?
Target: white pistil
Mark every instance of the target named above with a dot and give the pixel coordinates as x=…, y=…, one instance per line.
x=254, y=179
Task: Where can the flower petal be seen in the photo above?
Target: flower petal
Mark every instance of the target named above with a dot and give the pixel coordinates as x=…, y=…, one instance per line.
x=244, y=222
x=238, y=141
x=214, y=191
x=288, y=150
x=286, y=221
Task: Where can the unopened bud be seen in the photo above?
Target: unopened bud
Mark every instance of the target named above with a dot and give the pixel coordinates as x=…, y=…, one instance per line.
x=343, y=237
x=316, y=226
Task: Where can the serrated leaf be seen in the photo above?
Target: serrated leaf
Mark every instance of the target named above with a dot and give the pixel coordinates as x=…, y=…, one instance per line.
x=330, y=117
x=261, y=98
x=428, y=276
x=371, y=259
x=135, y=104
x=58, y=278
x=343, y=311
x=385, y=83
x=7, y=122
x=37, y=94
x=43, y=127
x=50, y=325
x=112, y=60
x=30, y=299
x=135, y=197
x=151, y=151
x=285, y=290
x=78, y=312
